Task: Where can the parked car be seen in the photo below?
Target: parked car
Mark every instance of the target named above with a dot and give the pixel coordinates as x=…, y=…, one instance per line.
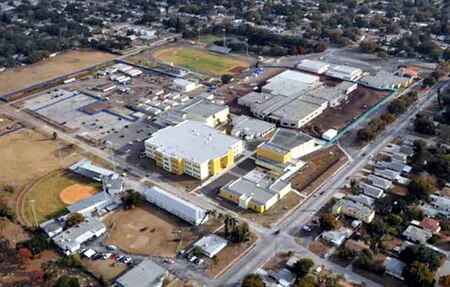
x=128, y=260
x=106, y=255
x=120, y=258
x=192, y=258
x=112, y=247
x=306, y=228
x=169, y=260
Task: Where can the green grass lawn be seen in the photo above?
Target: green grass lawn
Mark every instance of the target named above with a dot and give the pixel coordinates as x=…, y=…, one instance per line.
x=200, y=61
x=209, y=38
x=46, y=196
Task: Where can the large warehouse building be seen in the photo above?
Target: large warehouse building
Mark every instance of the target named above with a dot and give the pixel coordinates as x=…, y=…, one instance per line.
x=175, y=205
x=193, y=148
x=292, y=99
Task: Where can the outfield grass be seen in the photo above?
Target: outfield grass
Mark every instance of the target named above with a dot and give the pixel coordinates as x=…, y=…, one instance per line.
x=200, y=61
x=45, y=194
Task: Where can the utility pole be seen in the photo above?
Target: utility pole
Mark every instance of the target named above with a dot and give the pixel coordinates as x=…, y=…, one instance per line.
x=31, y=201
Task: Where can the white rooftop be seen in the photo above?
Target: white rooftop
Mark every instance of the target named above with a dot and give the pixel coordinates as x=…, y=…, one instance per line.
x=211, y=244
x=192, y=140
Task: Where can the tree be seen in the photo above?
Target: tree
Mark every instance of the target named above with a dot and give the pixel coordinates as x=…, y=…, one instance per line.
x=422, y=254
x=253, y=280
x=229, y=222
x=328, y=221
x=226, y=79
x=302, y=267
x=421, y=188
x=67, y=281
x=429, y=81
x=24, y=256
x=418, y=274
x=310, y=281
x=73, y=219
x=424, y=125
x=240, y=233
x=54, y=136
x=345, y=253
x=319, y=48
x=131, y=198
x=368, y=46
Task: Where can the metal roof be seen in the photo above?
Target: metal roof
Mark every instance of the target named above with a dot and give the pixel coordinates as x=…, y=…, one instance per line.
x=175, y=205
x=145, y=274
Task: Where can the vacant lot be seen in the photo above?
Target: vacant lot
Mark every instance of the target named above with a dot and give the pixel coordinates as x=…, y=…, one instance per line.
x=200, y=61
x=338, y=118
x=27, y=156
x=46, y=194
x=148, y=230
x=106, y=269
x=319, y=167
x=22, y=77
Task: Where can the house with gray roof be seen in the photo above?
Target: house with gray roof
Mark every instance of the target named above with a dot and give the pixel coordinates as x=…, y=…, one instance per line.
x=91, y=204
x=416, y=234
x=145, y=274
x=379, y=182
x=371, y=191
x=394, y=267
x=85, y=168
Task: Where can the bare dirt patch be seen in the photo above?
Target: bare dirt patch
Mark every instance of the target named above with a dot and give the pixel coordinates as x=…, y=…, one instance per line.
x=76, y=192
x=320, y=166
x=338, y=118
x=22, y=77
x=106, y=269
x=148, y=230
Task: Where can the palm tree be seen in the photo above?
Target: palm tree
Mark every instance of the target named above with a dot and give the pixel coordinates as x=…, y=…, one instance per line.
x=230, y=223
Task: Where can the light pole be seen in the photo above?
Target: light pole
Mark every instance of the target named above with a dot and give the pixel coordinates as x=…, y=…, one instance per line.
x=246, y=46
x=60, y=155
x=110, y=145
x=224, y=38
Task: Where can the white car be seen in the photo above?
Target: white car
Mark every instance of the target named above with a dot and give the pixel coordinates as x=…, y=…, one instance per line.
x=112, y=247
x=106, y=255
x=192, y=259
x=306, y=228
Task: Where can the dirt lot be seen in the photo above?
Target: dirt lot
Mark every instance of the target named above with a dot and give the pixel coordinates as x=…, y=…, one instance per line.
x=338, y=118
x=46, y=194
x=50, y=68
x=27, y=156
x=320, y=165
x=107, y=269
x=148, y=230
x=319, y=248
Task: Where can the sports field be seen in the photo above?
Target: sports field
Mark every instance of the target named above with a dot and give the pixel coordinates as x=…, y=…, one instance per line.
x=22, y=77
x=48, y=195
x=201, y=61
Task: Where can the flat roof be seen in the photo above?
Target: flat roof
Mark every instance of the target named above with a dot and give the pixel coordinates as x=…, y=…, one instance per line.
x=211, y=244
x=294, y=76
x=285, y=140
x=295, y=110
x=145, y=274
x=243, y=186
x=203, y=108
x=308, y=65
x=250, y=126
x=78, y=234
x=192, y=140
x=345, y=69
x=383, y=79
